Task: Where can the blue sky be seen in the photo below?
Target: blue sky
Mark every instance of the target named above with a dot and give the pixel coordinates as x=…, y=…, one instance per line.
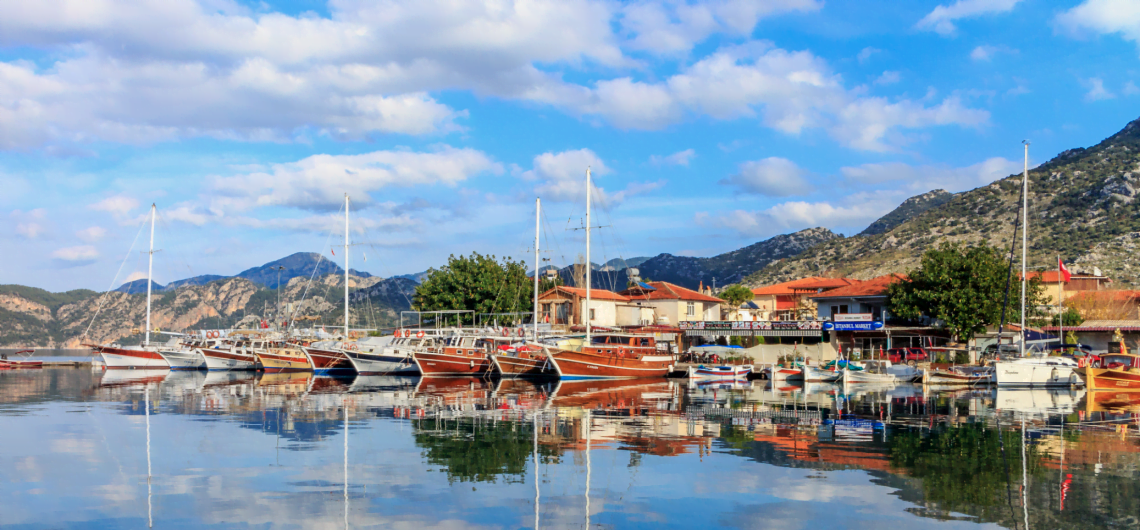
x=709, y=126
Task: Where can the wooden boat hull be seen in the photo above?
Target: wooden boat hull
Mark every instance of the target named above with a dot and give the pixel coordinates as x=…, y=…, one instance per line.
x=1107, y=379
x=819, y=375
x=380, y=364
x=523, y=366
x=131, y=359
x=184, y=360
x=785, y=374
x=436, y=364
x=951, y=378
x=576, y=365
x=329, y=362
x=225, y=360
x=11, y=364
x=278, y=361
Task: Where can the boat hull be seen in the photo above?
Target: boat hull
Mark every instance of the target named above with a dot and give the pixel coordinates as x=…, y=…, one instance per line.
x=328, y=362
x=785, y=374
x=819, y=375
x=130, y=359
x=867, y=377
x=951, y=378
x=221, y=360
x=436, y=364
x=510, y=366
x=284, y=361
x=17, y=365
x=184, y=360
x=379, y=364
x=573, y=365
x=1015, y=374
x=720, y=372
x=1101, y=379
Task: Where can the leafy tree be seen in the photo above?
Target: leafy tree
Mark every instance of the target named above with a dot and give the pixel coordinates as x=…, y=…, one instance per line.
x=1071, y=316
x=479, y=283
x=736, y=294
x=963, y=287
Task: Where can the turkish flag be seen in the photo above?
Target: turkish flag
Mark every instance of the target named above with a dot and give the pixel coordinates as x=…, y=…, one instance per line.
x=1065, y=275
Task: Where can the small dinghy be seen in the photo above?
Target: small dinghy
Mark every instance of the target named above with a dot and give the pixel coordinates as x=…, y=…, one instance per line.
x=720, y=372
x=25, y=362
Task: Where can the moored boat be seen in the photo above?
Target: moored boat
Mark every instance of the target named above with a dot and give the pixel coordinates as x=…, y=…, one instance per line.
x=460, y=355
x=720, y=372
x=814, y=374
x=874, y=371
x=373, y=356
x=183, y=354
x=522, y=360
x=1037, y=371
x=119, y=358
x=958, y=376
x=610, y=356
x=236, y=355
x=327, y=358
x=25, y=362
x=1117, y=372
x=279, y=357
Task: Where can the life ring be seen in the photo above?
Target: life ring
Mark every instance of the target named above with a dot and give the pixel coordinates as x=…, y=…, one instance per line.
x=506, y=333
x=420, y=334
x=522, y=333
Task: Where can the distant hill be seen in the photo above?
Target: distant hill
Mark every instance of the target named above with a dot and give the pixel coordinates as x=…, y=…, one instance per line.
x=300, y=264
x=1083, y=209
x=139, y=286
x=908, y=210
x=731, y=267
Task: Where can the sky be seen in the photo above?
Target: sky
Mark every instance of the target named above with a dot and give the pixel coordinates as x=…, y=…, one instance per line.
x=707, y=126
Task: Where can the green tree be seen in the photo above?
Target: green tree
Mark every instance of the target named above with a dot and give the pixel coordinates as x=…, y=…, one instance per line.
x=479, y=283
x=736, y=294
x=963, y=287
x=1071, y=316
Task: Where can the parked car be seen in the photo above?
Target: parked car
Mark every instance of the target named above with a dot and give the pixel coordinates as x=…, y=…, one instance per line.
x=911, y=356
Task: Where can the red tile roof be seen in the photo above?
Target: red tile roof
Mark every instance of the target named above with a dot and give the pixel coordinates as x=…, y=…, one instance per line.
x=825, y=284
x=873, y=287
x=669, y=291
x=595, y=294
x=786, y=287
x=1055, y=276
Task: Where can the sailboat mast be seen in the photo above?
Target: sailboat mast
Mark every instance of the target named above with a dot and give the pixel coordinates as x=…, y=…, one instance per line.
x=537, y=262
x=1025, y=234
x=586, y=311
x=346, y=266
x=149, y=274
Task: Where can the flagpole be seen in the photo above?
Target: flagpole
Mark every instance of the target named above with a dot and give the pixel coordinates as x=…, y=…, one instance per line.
x=1060, y=305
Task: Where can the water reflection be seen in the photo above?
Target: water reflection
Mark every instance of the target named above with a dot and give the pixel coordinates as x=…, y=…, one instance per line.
x=238, y=449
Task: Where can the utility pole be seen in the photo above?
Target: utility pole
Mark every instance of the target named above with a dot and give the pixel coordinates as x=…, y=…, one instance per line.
x=1024, y=239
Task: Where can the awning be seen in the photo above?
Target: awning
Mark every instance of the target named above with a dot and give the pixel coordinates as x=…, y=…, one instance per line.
x=755, y=333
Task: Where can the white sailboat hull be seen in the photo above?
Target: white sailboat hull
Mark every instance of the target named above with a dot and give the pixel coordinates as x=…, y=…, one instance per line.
x=216, y=360
x=866, y=377
x=184, y=360
x=373, y=364
x=1026, y=374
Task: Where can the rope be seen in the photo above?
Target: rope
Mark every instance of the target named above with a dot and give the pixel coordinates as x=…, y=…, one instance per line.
x=114, y=280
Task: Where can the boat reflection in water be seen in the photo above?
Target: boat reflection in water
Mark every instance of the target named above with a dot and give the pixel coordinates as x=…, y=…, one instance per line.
x=294, y=449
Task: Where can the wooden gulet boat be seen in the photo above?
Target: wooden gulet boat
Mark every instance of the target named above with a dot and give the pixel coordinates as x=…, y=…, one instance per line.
x=456, y=356
x=607, y=356
x=236, y=354
x=1118, y=372
x=327, y=358
x=280, y=357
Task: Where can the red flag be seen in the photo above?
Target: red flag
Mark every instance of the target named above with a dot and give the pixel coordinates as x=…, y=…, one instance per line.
x=1064, y=272
x=333, y=251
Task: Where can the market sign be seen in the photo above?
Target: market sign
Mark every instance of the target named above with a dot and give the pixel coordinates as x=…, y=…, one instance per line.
x=852, y=317
x=852, y=326
x=733, y=325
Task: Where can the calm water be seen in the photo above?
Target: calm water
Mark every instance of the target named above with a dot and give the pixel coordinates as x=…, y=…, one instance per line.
x=85, y=450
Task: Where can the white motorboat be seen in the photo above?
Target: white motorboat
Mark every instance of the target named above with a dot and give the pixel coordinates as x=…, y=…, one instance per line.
x=182, y=356
x=231, y=355
x=814, y=374
x=874, y=371
x=1037, y=371
x=375, y=355
x=720, y=372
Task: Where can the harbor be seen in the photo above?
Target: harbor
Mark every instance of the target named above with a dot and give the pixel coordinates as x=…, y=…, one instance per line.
x=233, y=449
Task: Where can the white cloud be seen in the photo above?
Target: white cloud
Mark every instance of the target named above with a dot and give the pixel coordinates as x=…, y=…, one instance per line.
x=889, y=77
x=791, y=90
x=987, y=52
x=77, y=255
x=319, y=182
x=91, y=234
x=136, y=275
x=920, y=179
x=680, y=158
x=27, y=223
x=1106, y=17
x=942, y=19
x=866, y=53
x=562, y=176
x=797, y=215
x=772, y=177
x=1130, y=89
x=675, y=27
x=1096, y=92
x=118, y=205
x=29, y=230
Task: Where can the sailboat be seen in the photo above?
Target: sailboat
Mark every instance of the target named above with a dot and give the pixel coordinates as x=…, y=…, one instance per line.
x=144, y=356
x=1038, y=370
x=609, y=355
x=329, y=357
x=527, y=359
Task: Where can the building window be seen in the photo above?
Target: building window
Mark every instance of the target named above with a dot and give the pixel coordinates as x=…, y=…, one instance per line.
x=591, y=313
x=692, y=309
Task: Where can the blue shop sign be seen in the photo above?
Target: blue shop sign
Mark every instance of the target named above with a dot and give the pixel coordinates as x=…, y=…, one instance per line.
x=852, y=326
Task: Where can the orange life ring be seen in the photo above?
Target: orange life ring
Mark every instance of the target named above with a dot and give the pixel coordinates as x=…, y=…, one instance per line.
x=506, y=333
x=522, y=333
x=420, y=334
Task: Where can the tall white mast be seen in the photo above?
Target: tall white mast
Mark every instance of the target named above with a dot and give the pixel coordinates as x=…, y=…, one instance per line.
x=1025, y=231
x=586, y=311
x=149, y=274
x=537, y=262
x=346, y=266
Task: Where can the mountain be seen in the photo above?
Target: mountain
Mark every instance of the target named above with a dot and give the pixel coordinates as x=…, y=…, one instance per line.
x=731, y=267
x=139, y=286
x=618, y=264
x=909, y=209
x=417, y=277
x=1083, y=208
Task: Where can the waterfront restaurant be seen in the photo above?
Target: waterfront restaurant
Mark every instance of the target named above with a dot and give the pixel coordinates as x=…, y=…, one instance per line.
x=857, y=317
